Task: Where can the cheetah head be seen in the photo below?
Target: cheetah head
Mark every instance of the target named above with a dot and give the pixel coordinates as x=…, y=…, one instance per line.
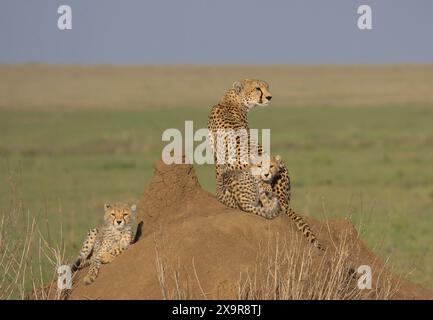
x=252, y=93
x=118, y=215
x=266, y=168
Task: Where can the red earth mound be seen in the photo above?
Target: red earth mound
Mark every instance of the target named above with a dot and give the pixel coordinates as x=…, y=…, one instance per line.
x=192, y=246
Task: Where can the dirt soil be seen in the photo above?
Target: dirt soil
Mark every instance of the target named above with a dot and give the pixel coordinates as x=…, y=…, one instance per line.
x=192, y=244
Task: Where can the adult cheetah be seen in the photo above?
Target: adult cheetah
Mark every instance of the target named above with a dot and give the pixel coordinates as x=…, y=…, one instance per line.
x=229, y=116
x=226, y=120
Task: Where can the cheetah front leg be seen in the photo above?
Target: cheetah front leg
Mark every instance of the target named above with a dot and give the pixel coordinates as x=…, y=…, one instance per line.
x=86, y=250
x=114, y=251
x=281, y=187
x=96, y=261
x=265, y=194
x=265, y=199
x=109, y=256
x=269, y=209
x=93, y=272
x=107, y=252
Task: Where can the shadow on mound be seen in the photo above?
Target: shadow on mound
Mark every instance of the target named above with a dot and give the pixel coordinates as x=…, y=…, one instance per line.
x=192, y=246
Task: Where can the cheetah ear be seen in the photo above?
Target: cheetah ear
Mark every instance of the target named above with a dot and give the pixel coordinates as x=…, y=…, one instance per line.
x=107, y=206
x=278, y=157
x=237, y=86
x=134, y=208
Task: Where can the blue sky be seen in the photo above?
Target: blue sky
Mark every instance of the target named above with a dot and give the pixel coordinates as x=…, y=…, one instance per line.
x=216, y=32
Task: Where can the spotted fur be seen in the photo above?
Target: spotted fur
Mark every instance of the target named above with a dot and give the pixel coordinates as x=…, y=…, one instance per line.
x=229, y=116
x=239, y=189
x=268, y=171
x=103, y=244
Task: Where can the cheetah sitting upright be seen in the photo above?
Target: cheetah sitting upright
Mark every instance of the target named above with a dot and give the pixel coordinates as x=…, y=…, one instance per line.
x=266, y=170
x=229, y=116
x=103, y=244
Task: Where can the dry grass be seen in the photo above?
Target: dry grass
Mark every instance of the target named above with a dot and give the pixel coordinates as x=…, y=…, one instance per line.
x=284, y=270
x=173, y=283
x=293, y=273
x=287, y=272
x=27, y=258
x=33, y=86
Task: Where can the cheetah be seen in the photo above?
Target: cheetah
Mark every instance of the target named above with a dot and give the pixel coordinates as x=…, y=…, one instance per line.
x=239, y=189
x=103, y=244
x=266, y=170
x=229, y=116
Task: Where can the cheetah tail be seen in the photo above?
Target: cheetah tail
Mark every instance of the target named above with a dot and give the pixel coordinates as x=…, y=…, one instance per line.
x=302, y=226
x=79, y=264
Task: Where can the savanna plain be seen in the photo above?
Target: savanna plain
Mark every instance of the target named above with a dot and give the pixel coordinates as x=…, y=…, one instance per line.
x=357, y=140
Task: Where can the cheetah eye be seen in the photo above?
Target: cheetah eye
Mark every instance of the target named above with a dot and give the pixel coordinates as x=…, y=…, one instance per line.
x=113, y=215
x=271, y=166
x=258, y=89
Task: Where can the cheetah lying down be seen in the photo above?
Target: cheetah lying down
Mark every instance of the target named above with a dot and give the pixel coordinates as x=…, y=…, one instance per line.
x=104, y=243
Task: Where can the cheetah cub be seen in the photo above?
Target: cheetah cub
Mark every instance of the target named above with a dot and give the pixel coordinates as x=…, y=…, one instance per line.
x=266, y=170
x=239, y=189
x=104, y=243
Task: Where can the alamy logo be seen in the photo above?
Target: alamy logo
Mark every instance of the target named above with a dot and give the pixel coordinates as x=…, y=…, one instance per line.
x=64, y=280
x=64, y=22
x=224, y=146
x=365, y=18
x=364, y=280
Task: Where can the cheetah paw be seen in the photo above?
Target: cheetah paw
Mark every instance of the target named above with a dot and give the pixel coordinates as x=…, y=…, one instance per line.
x=107, y=258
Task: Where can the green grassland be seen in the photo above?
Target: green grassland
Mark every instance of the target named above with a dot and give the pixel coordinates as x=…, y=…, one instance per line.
x=371, y=164
x=358, y=141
